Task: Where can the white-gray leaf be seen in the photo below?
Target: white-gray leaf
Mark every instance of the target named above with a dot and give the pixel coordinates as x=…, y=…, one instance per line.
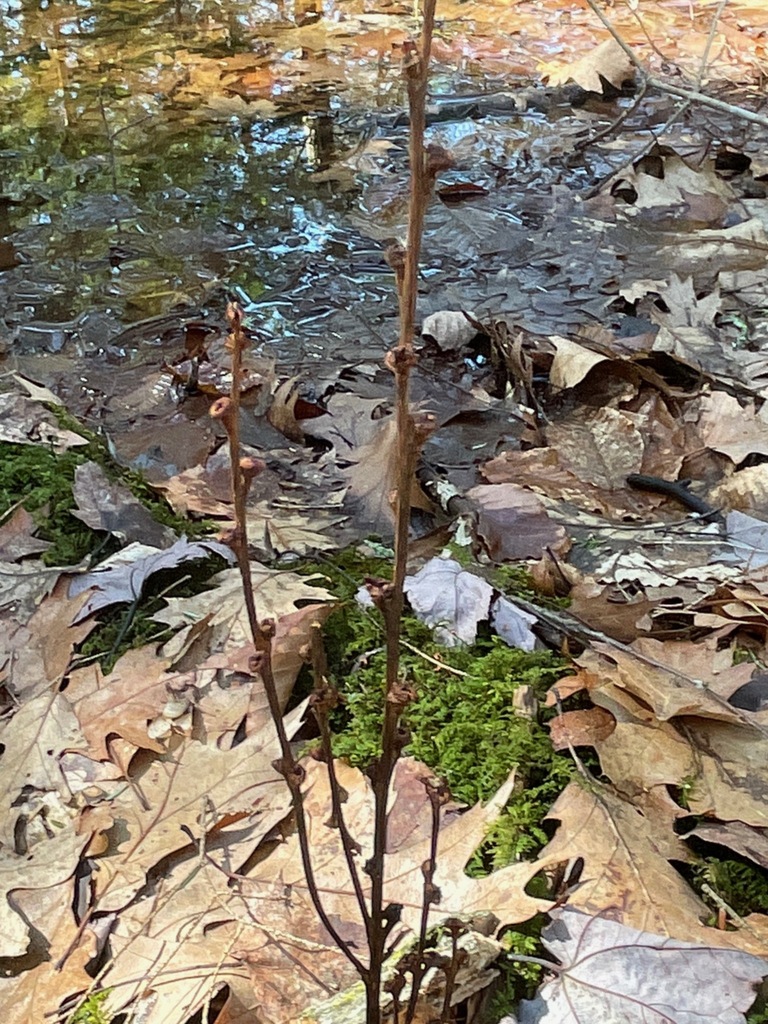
x=612, y=974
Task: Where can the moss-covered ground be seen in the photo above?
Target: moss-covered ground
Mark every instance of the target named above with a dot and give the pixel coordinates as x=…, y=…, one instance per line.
x=41, y=480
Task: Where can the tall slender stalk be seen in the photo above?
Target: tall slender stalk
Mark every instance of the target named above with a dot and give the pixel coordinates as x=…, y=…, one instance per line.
x=389, y=597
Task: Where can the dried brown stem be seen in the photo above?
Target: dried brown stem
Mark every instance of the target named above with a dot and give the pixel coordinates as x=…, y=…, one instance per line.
x=263, y=632
x=389, y=598
x=438, y=795
x=324, y=698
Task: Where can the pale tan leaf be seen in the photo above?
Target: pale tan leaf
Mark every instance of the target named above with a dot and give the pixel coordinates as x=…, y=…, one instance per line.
x=607, y=61
x=572, y=363
x=602, y=447
x=277, y=593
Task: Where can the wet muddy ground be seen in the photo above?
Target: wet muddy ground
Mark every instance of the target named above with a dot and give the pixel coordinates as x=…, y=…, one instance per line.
x=161, y=158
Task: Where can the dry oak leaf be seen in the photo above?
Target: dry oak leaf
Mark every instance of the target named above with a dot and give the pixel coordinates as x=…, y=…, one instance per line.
x=292, y=961
x=748, y=842
x=195, y=789
x=541, y=470
x=627, y=870
x=734, y=430
x=17, y=538
x=122, y=703
x=173, y=951
x=50, y=863
x=727, y=779
x=106, y=505
x=263, y=937
x=624, y=975
x=23, y=585
x=26, y=421
x=605, y=63
x=39, y=651
x=571, y=364
x=698, y=190
x=275, y=530
x=224, y=690
x=372, y=480
x=34, y=740
x=668, y=692
x=277, y=592
x=581, y=728
x=24, y=995
x=201, y=921
x=601, y=446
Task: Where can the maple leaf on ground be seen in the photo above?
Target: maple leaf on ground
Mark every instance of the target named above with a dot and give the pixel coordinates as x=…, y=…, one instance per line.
x=684, y=308
x=612, y=972
x=351, y=422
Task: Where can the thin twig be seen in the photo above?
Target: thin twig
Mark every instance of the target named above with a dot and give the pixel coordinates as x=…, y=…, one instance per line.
x=438, y=796
x=616, y=123
x=389, y=597
x=692, y=95
x=710, y=40
x=243, y=471
x=323, y=700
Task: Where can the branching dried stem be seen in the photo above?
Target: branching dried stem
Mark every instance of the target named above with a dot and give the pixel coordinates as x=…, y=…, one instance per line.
x=438, y=796
x=243, y=471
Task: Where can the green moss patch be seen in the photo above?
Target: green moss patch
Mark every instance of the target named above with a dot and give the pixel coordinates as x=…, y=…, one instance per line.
x=464, y=724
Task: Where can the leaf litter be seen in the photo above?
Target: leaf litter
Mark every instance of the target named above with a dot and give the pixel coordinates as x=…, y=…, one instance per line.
x=607, y=336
